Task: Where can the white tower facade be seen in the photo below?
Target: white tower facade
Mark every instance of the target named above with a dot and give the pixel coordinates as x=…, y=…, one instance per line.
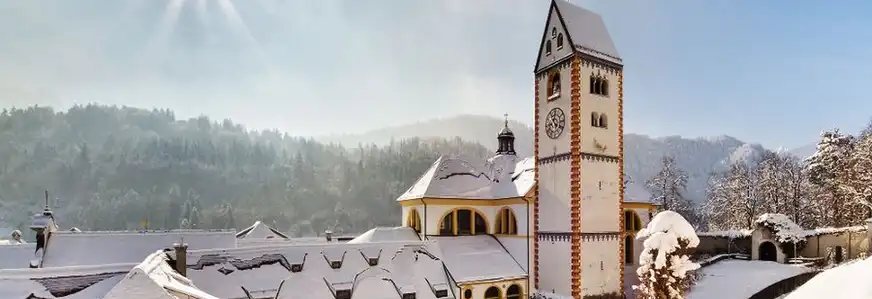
x=577, y=214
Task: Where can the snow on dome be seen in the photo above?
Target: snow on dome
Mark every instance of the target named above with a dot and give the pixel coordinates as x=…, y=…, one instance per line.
x=786, y=231
x=848, y=281
x=501, y=176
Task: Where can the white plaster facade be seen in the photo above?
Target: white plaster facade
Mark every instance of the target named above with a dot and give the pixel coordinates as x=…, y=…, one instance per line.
x=763, y=235
x=431, y=215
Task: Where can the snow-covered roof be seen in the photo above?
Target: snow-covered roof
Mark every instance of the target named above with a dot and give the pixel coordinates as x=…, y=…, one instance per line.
x=221, y=272
x=96, y=248
x=848, y=281
x=518, y=248
x=786, y=231
x=731, y=234
x=17, y=256
x=259, y=230
x=382, y=234
x=731, y=278
x=502, y=176
x=476, y=258
x=636, y=193
x=82, y=282
x=587, y=31
x=155, y=278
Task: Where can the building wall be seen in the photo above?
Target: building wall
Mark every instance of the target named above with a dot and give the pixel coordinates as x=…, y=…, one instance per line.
x=554, y=267
x=854, y=244
x=431, y=214
x=713, y=245
x=601, y=270
x=761, y=235
x=478, y=289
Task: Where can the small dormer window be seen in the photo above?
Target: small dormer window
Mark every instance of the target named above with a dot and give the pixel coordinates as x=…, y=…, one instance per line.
x=336, y=264
x=441, y=293
x=408, y=295
x=547, y=47
x=343, y=294
x=559, y=41
x=295, y=268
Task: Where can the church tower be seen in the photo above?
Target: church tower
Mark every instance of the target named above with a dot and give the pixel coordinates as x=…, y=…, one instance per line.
x=576, y=216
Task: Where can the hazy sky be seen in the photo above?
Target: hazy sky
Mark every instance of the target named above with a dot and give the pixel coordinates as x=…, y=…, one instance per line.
x=774, y=72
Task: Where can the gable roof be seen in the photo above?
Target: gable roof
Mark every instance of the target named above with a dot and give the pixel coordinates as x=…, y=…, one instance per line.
x=96, y=248
x=585, y=30
x=259, y=230
x=260, y=270
x=500, y=177
x=83, y=282
x=476, y=258
x=384, y=234
x=17, y=256
x=154, y=277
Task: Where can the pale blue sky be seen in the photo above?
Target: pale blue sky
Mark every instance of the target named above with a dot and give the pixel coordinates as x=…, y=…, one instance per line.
x=774, y=72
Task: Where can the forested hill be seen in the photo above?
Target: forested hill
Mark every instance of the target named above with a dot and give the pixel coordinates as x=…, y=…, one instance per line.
x=115, y=167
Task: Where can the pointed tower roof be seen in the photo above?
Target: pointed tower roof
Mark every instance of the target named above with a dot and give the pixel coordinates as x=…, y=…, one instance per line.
x=586, y=32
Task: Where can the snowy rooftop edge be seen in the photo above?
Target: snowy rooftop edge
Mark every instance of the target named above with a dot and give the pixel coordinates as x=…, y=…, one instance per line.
x=149, y=232
x=65, y=271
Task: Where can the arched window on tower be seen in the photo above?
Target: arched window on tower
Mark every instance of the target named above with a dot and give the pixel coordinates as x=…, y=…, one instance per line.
x=594, y=119
x=592, y=83
x=559, y=41
x=603, y=121
x=554, y=86
x=414, y=220
x=547, y=47
x=604, y=89
x=506, y=223
x=463, y=221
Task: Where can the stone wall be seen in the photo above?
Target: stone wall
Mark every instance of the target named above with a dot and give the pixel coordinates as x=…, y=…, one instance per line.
x=853, y=241
x=715, y=244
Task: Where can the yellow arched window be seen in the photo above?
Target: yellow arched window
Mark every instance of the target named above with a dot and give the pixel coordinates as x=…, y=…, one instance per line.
x=463, y=221
x=632, y=225
x=632, y=222
x=506, y=223
x=414, y=220
x=492, y=293
x=514, y=292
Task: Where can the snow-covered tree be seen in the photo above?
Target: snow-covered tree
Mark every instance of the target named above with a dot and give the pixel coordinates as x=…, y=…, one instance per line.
x=856, y=182
x=667, y=189
x=826, y=170
x=732, y=202
x=665, y=266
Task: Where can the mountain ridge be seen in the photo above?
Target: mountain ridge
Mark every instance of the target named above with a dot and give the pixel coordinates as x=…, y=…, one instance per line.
x=698, y=156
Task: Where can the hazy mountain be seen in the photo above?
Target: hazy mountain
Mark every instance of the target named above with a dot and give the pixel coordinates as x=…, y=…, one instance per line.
x=478, y=128
x=698, y=157
x=804, y=151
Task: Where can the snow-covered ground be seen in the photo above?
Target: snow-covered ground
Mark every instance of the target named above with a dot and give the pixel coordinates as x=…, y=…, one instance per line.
x=739, y=279
x=848, y=281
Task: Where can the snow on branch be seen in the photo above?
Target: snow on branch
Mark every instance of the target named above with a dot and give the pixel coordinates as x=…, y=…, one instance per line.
x=730, y=234
x=664, y=262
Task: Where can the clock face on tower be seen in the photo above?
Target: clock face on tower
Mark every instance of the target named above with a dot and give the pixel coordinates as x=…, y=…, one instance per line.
x=554, y=123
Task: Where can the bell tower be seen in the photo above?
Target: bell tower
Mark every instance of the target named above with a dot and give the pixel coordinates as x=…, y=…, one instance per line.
x=578, y=147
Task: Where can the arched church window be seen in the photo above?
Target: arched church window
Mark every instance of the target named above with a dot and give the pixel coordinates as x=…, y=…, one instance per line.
x=553, y=32
x=603, y=121
x=414, y=220
x=492, y=293
x=463, y=221
x=594, y=119
x=592, y=83
x=554, y=90
x=559, y=41
x=597, y=86
x=506, y=223
x=632, y=222
x=514, y=292
x=547, y=47
x=604, y=89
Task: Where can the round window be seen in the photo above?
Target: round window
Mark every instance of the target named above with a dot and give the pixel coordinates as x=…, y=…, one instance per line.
x=467, y=294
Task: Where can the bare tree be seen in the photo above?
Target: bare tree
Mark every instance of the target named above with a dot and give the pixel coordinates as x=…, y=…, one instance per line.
x=667, y=189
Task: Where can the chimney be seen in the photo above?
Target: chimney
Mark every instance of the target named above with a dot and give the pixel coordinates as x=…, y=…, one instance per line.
x=181, y=250
x=329, y=235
